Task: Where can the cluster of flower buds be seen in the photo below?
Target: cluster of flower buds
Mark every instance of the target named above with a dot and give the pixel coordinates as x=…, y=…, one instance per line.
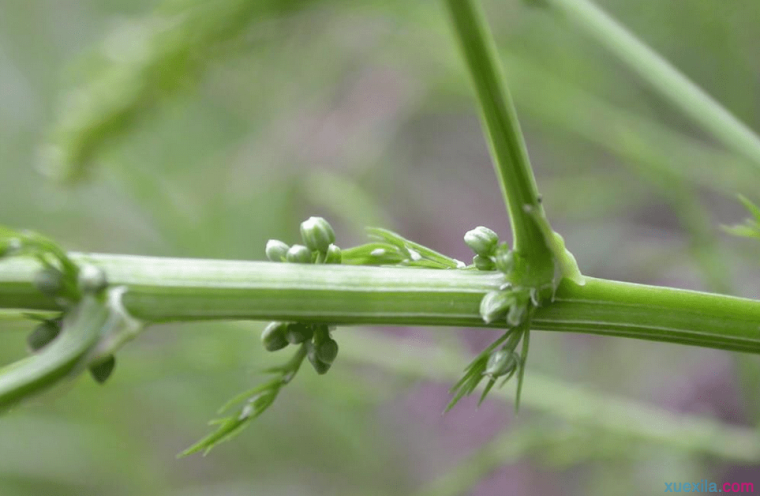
x=483, y=242
x=319, y=247
x=321, y=348
x=511, y=304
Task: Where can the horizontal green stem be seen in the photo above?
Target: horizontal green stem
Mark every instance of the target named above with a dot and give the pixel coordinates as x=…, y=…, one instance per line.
x=172, y=289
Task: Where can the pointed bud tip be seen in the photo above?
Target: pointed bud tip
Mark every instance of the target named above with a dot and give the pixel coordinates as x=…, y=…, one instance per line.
x=481, y=240
x=317, y=234
x=276, y=250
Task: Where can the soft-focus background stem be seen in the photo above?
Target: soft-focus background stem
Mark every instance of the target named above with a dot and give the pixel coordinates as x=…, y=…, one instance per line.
x=674, y=86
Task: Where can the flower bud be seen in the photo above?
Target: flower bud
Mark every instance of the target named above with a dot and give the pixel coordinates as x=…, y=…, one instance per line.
x=483, y=263
x=297, y=332
x=48, y=281
x=273, y=336
x=298, y=254
x=495, y=305
x=500, y=363
x=276, y=250
x=317, y=234
x=91, y=279
x=43, y=335
x=333, y=255
x=517, y=314
x=101, y=371
x=504, y=259
x=481, y=240
x=319, y=366
x=327, y=350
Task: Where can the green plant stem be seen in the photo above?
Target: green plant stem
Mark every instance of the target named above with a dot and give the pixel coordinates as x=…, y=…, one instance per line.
x=505, y=138
x=171, y=289
x=663, y=77
x=35, y=373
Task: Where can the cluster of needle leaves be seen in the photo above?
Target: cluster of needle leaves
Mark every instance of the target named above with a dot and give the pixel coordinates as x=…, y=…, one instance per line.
x=498, y=362
x=512, y=304
x=389, y=248
x=251, y=404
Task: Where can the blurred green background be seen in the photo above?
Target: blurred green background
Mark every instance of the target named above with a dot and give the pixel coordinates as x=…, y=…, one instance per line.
x=207, y=128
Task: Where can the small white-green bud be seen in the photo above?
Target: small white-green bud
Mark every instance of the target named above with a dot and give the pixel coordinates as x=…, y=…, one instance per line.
x=273, y=336
x=501, y=363
x=495, y=305
x=317, y=234
x=298, y=254
x=276, y=250
x=517, y=314
x=481, y=240
x=333, y=255
x=483, y=263
x=91, y=279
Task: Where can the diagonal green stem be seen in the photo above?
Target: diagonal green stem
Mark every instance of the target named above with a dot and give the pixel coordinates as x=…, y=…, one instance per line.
x=663, y=77
x=81, y=331
x=171, y=289
x=499, y=118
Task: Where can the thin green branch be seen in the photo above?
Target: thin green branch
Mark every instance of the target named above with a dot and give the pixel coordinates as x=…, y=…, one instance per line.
x=170, y=289
x=663, y=77
x=37, y=372
x=505, y=138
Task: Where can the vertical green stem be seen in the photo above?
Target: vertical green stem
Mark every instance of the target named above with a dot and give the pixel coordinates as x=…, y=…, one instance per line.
x=505, y=138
